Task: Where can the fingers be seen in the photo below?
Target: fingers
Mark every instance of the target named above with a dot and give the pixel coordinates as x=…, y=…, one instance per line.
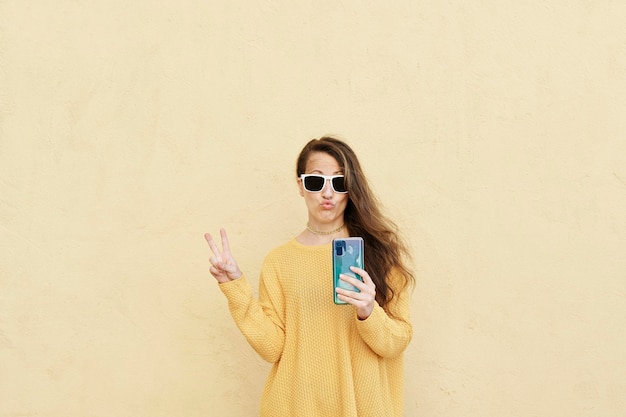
x=355, y=282
x=367, y=288
x=225, y=244
x=364, y=299
x=364, y=292
x=213, y=247
x=215, y=263
x=223, y=266
x=363, y=274
x=365, y=284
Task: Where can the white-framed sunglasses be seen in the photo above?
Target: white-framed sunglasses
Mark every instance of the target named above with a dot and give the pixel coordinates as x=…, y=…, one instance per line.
x=314, y=183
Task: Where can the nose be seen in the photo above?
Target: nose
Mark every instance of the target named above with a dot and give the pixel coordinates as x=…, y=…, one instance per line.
x=327, y=191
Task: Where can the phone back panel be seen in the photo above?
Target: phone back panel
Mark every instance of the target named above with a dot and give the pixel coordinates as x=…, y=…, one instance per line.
x=347, y=252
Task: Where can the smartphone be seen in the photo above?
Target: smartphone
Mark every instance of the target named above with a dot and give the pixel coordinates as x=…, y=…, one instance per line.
x=347, y=252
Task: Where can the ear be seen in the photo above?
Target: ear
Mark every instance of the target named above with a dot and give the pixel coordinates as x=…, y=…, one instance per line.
x=300, y=186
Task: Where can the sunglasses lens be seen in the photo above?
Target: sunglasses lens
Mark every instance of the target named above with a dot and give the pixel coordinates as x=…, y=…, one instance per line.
x=339, y=185
x=314, y=183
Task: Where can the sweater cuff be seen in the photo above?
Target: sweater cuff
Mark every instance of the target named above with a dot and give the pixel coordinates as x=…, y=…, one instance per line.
x=371, y=327
x=237, y=292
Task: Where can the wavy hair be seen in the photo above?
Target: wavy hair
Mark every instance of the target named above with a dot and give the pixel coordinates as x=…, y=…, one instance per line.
x=363, y=217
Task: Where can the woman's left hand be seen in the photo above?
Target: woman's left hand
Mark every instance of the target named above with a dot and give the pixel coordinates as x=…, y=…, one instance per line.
x=364, y=300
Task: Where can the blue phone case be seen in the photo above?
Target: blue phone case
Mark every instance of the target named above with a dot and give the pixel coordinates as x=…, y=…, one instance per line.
x=347, y=252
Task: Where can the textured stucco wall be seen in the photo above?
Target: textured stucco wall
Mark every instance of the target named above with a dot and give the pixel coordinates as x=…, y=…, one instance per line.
x=494, y=132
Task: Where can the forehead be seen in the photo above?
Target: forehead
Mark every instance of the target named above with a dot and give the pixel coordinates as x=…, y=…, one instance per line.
x=322, y=162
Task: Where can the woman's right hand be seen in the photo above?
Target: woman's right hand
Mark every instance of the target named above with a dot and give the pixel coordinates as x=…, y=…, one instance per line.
x=223, y=265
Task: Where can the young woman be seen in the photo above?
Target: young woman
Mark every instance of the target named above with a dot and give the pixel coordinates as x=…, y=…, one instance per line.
x=329, y=359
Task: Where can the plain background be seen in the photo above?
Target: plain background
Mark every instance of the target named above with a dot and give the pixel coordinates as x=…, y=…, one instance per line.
x=493, y=131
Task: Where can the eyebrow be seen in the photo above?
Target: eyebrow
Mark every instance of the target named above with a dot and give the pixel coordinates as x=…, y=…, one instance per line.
x=317, y=171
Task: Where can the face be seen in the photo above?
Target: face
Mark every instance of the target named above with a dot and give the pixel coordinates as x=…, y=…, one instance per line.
x=325, y=207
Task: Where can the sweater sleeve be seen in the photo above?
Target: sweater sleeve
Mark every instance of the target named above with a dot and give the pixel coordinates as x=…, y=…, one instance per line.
x=388, y=335
x=260, y=320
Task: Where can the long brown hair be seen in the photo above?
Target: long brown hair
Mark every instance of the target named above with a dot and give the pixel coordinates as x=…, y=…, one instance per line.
x=385, y=250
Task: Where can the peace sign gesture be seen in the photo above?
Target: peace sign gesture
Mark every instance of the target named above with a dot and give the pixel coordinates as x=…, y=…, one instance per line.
x=223, y=265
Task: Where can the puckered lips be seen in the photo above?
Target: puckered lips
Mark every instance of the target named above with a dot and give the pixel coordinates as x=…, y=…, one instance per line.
x=328, y=205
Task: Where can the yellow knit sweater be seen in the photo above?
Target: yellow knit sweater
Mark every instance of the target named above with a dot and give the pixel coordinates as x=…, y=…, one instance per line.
x=327, y=362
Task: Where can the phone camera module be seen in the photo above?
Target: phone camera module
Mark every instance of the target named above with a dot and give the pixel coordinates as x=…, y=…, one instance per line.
x=340, y=247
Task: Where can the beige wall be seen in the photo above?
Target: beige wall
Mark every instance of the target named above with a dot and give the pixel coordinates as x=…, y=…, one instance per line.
x=494, y=132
